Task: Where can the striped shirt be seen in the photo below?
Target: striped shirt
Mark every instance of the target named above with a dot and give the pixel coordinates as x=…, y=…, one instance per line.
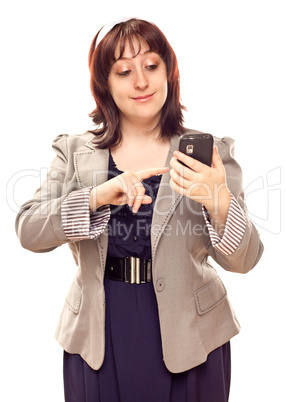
x=77, y=221
x=233, y=231
x=79, y=224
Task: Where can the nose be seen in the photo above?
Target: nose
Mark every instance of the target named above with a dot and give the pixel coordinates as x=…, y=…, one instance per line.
x=140, y=81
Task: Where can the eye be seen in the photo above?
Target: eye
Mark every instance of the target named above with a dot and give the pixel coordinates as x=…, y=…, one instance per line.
x=124, y=73
x=151, y=67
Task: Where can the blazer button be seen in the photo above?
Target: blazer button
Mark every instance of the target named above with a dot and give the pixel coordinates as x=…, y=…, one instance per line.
x=160, y=285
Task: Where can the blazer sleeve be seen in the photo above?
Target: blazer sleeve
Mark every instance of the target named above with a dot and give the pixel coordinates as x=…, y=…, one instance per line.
x=250, y=248
x=39, y=224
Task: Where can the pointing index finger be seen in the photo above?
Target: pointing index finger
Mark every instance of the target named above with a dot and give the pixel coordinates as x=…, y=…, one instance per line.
x=146, y=173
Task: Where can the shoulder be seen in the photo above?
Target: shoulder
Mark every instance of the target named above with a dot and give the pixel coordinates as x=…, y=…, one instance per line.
x=67, y=144
x=75, y=140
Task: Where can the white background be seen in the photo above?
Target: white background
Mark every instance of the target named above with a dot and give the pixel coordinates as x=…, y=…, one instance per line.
x=232, y=61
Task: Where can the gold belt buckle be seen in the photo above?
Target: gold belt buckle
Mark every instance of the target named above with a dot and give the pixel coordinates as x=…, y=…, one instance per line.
x=135, y=270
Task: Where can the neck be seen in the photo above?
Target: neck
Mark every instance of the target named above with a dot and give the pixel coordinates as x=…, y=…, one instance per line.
x=139, y=130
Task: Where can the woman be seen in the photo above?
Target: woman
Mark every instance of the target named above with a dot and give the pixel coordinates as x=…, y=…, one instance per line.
x=147, y=318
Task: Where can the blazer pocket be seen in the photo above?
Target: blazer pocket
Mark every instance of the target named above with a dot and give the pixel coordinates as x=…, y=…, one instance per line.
x=73, y=298
x=210, y=295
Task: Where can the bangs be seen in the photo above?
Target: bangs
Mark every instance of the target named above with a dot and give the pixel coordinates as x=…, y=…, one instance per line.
x=135, y=33
x=135, y=42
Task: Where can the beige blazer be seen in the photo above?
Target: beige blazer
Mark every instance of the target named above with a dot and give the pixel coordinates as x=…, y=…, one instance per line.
x=195, y=314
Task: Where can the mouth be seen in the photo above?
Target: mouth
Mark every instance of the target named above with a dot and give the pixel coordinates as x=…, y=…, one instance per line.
x=144, y=98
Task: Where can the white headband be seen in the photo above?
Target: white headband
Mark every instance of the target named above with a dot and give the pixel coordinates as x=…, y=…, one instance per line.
x=104, y=30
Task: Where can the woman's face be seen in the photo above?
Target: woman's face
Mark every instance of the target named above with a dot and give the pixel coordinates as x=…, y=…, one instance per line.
x=138, y=85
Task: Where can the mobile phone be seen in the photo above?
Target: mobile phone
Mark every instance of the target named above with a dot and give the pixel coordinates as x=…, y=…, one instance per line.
x=198, y=146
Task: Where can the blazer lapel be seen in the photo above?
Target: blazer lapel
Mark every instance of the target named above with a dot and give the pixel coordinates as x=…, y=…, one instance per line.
x=91, y=169
x=91, y=166
x=166, y=201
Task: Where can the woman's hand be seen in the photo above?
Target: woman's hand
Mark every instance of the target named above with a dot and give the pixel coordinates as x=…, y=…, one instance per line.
x=204, y=184
x=124, y=189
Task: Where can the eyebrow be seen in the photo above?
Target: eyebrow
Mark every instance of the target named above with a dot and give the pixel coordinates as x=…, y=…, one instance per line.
x=130, y=58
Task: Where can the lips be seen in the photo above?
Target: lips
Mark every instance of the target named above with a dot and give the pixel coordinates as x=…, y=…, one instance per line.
x=144, y=98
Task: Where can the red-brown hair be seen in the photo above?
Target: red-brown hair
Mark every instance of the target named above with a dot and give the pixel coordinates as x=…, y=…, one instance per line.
x=101, y=59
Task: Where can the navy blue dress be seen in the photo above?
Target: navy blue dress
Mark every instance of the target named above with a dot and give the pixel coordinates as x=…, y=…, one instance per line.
x=133, y=369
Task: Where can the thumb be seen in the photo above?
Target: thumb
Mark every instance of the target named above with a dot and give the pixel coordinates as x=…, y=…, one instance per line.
x=216, y=160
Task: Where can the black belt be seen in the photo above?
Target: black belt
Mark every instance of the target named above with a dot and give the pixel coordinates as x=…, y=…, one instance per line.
x=129, y=269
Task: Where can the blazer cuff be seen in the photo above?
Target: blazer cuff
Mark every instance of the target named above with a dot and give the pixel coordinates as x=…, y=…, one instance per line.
x=234, y=229
x=77, y=221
